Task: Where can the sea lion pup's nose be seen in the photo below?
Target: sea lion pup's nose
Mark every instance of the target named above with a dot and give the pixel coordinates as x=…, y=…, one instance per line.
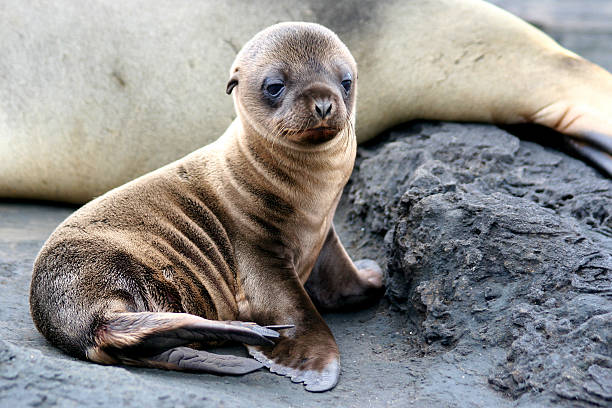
x=322, y=100
x=323, y=107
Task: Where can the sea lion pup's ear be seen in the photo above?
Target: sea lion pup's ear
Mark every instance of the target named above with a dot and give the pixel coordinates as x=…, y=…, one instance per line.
x=233, y=81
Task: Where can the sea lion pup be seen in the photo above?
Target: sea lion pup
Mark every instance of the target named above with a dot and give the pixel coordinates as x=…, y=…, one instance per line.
x=229, y=233
x=96, y=93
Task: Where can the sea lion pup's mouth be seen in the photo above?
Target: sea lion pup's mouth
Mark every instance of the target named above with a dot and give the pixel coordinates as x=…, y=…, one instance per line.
x=316, y=135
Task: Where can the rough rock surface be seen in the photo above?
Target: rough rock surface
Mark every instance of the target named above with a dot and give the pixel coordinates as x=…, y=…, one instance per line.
x=495, y=242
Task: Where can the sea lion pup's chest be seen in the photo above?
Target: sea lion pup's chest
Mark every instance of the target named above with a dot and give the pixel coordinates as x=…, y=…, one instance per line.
x=280, y=202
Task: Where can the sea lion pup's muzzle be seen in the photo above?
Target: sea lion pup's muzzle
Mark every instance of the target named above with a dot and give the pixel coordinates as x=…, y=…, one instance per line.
x=328, y=115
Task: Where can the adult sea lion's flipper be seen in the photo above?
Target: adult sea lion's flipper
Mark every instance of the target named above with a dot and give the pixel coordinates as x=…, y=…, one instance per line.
x=598, y=154
x=157, y=340
x=480, y=63
x=581, y=109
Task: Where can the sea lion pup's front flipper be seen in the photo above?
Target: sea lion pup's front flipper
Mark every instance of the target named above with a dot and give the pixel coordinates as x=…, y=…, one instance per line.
x=308, y=353
x=599, y=156
x=337, y=283
x=311, y=356
x=156, y=340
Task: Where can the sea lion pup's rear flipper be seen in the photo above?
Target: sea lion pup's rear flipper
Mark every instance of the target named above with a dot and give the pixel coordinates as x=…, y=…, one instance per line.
x=338, y=283
x=188, y=359
x=155, y=340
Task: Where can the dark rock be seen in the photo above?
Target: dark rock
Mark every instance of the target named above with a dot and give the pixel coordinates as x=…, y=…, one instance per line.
x=495, y=242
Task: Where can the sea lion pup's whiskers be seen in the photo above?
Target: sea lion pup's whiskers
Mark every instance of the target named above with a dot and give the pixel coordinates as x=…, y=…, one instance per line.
x=177, y=256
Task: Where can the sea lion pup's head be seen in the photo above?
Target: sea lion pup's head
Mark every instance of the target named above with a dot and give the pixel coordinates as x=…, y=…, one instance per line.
x=296, y=82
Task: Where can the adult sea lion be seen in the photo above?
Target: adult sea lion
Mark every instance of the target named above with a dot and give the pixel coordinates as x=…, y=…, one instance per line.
x=188, y=252
x=94, y=94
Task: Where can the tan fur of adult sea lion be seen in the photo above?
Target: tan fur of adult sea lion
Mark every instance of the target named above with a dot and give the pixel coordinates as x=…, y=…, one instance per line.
x=96, y=93
x=173, y=257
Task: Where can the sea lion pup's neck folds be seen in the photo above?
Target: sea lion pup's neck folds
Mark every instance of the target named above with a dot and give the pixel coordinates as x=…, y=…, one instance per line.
x=293, y=171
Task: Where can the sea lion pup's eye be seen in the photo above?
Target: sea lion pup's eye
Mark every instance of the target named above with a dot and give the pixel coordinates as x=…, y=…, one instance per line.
x=346, y=83
x=274, y=87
